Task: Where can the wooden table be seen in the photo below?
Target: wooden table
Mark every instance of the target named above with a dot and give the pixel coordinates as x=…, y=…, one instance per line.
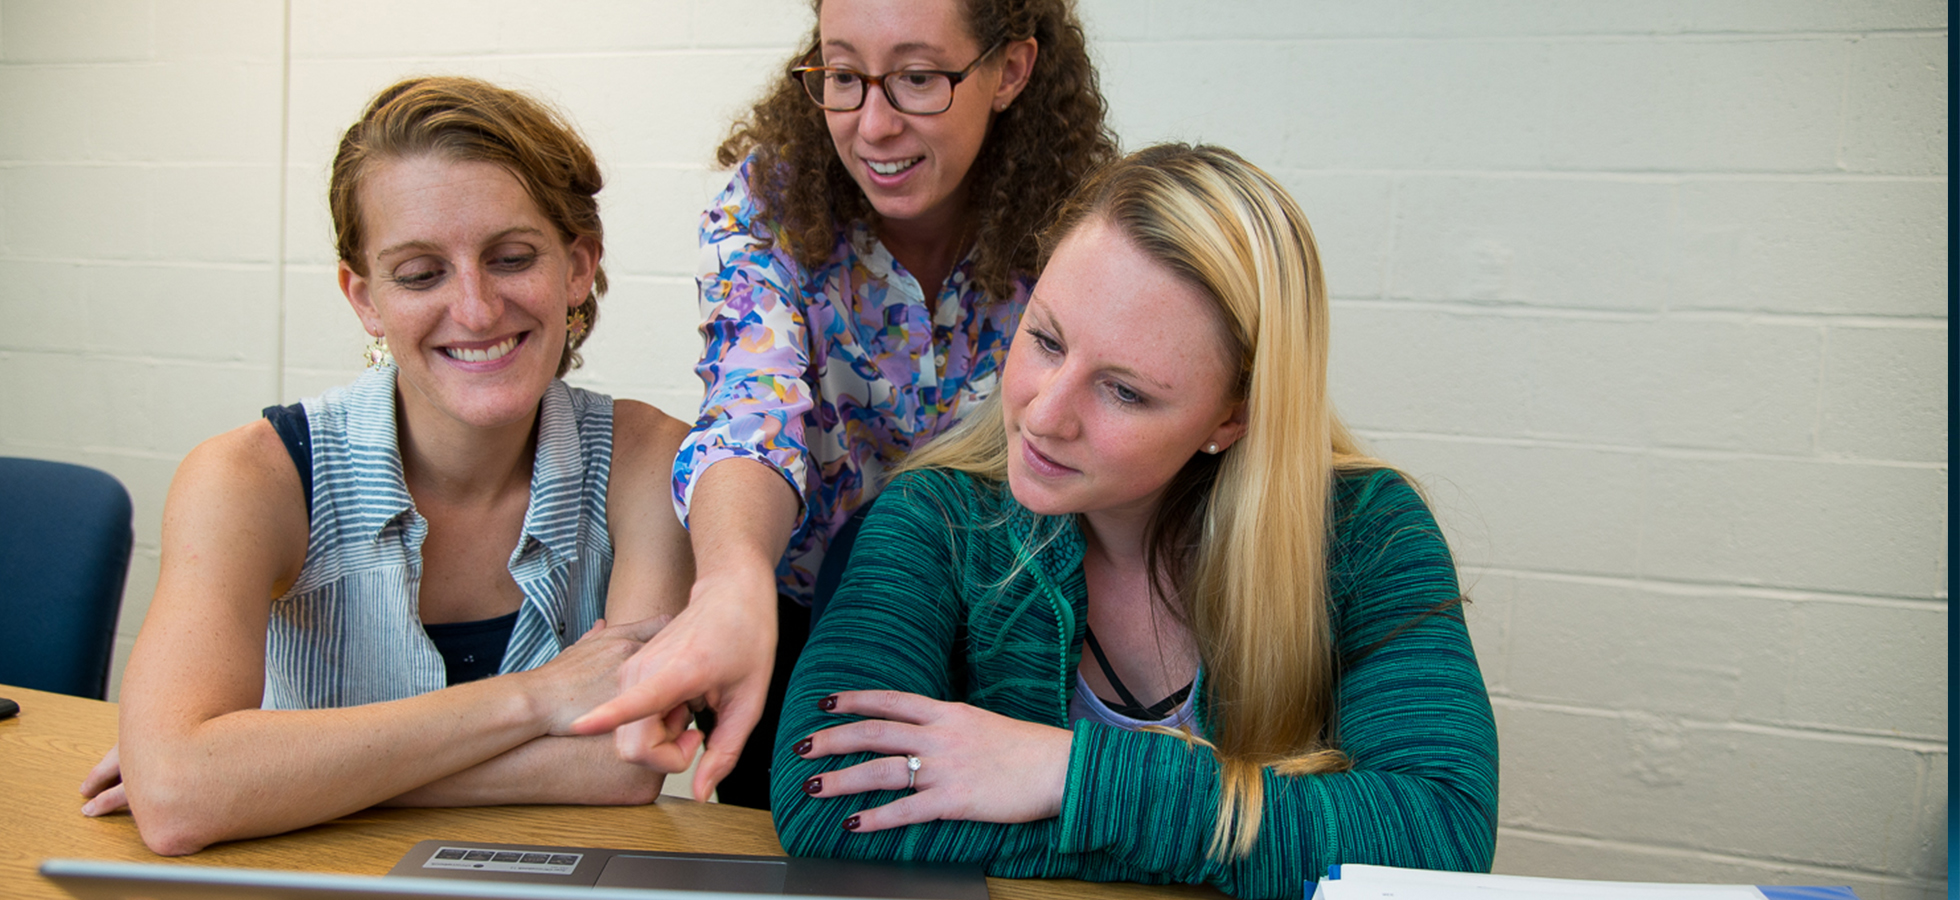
x=52, y=743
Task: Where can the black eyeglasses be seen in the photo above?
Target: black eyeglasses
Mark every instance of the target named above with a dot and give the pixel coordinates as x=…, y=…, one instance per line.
x=918, y=92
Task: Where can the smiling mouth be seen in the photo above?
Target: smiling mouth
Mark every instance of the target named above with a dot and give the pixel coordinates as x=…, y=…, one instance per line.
x=487, y=354
x=894, y=167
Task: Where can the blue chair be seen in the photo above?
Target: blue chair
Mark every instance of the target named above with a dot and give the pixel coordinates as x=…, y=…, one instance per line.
x=64, y=555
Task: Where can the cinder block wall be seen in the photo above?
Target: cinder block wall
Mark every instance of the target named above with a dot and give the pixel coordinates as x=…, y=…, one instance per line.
x=1649, y=295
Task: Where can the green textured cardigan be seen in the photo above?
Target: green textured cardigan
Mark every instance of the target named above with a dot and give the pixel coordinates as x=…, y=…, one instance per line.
x=919, y=610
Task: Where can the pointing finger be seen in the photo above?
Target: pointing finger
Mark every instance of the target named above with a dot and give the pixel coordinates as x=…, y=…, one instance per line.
x=635, y=702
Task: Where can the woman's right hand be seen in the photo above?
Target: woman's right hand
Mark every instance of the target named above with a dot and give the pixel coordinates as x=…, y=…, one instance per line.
x=587, y=673
x=721, y=648
x=719, y=652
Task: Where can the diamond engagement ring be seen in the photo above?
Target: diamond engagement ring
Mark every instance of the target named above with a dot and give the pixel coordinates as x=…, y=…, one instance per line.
x=911, y=772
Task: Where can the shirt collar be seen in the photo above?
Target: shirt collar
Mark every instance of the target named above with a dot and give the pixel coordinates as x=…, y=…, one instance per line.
x=381, y=494
x=1055, y=540
x=881, y=266
x=557, y=475
x=557, y=469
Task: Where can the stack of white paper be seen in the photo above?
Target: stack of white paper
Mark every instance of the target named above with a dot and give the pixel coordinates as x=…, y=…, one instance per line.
x=1353, y=882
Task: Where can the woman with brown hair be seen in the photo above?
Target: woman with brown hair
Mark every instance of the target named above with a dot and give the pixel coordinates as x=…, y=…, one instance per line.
x=860, y=279
x=377, y=596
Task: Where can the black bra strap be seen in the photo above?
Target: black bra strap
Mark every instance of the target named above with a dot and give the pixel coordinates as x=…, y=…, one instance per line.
x=1130, y=707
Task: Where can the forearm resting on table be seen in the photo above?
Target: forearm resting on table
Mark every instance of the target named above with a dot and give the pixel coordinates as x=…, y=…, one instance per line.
x=576, y=770
x=256, y=772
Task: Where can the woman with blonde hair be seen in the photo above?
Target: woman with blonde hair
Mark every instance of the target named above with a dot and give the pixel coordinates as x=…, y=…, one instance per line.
x=377, y=595
x=1152, y=615
x=860, y=278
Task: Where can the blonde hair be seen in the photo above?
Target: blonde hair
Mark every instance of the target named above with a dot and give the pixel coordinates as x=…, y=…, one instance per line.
x=1241, y=537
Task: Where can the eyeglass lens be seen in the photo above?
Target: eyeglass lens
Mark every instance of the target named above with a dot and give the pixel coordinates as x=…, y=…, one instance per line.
x=909, y=92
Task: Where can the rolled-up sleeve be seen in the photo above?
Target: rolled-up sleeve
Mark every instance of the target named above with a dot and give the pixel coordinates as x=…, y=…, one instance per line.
x=755, y=352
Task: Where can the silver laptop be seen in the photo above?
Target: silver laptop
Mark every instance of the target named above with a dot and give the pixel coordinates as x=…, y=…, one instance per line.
x=718, y=872
x=474, y=869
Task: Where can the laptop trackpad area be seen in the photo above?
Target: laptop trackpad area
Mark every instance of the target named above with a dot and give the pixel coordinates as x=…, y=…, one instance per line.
x=686, y=873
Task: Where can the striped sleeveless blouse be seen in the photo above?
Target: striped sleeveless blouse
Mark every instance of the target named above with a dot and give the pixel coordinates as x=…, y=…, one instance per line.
x=348, y=631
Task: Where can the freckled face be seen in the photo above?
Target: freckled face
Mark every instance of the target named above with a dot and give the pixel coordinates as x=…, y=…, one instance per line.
x=470, y=284
x=913, y=168
x=1117, y=377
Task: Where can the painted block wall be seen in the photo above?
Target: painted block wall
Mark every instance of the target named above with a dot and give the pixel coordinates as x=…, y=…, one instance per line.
x=1649, y=295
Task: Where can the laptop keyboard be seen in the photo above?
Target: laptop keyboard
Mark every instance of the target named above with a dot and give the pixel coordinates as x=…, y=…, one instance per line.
x=503, y=861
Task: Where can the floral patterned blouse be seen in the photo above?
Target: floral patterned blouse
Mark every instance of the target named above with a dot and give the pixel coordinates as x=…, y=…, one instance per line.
x=829, y=375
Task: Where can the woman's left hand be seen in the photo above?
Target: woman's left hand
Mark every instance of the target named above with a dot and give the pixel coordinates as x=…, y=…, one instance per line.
x=104, y=787
x=973, y=764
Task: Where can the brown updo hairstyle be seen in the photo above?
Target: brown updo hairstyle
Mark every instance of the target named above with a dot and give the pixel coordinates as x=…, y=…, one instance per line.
x=468, y=120
x=1047, y=140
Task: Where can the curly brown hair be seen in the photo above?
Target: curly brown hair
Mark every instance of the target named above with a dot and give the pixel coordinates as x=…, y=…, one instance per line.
x=465, y=119
x=1035, y=153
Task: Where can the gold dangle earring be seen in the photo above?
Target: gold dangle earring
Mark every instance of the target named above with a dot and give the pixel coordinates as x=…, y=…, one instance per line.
x=575, y=325
x=376, y=353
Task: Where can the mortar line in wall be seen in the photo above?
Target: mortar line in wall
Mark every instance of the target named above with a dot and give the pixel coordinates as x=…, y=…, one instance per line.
x=1626, y=37
x=1807, y=320
x=751, y=49
x=669, y=166
x=81, y=261
x=1723, y=316
x=652, y=278
x=494, y=56
x=1819, y=389
x=285, y=142
x=1844, y=103
x=1394, y=225
x=1922, y=810
x=1860, y=737
x=225, y=365
x=146, y=164
x=482, y=54
x=1946, y=561
x=1660, y=176
x=1684, y=587
x=1630, y=176
x=1803, y=868
x=123, y=452
x=1830, y=736
x=1661, y=452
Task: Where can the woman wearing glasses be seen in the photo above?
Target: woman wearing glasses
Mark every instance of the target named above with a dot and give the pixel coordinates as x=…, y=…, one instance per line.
x=860, y=279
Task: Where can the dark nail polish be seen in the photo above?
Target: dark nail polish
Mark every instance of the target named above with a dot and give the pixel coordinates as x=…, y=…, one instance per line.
x=802, y=747
x=851, y=824
x=828, y=703
x=813, y=786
